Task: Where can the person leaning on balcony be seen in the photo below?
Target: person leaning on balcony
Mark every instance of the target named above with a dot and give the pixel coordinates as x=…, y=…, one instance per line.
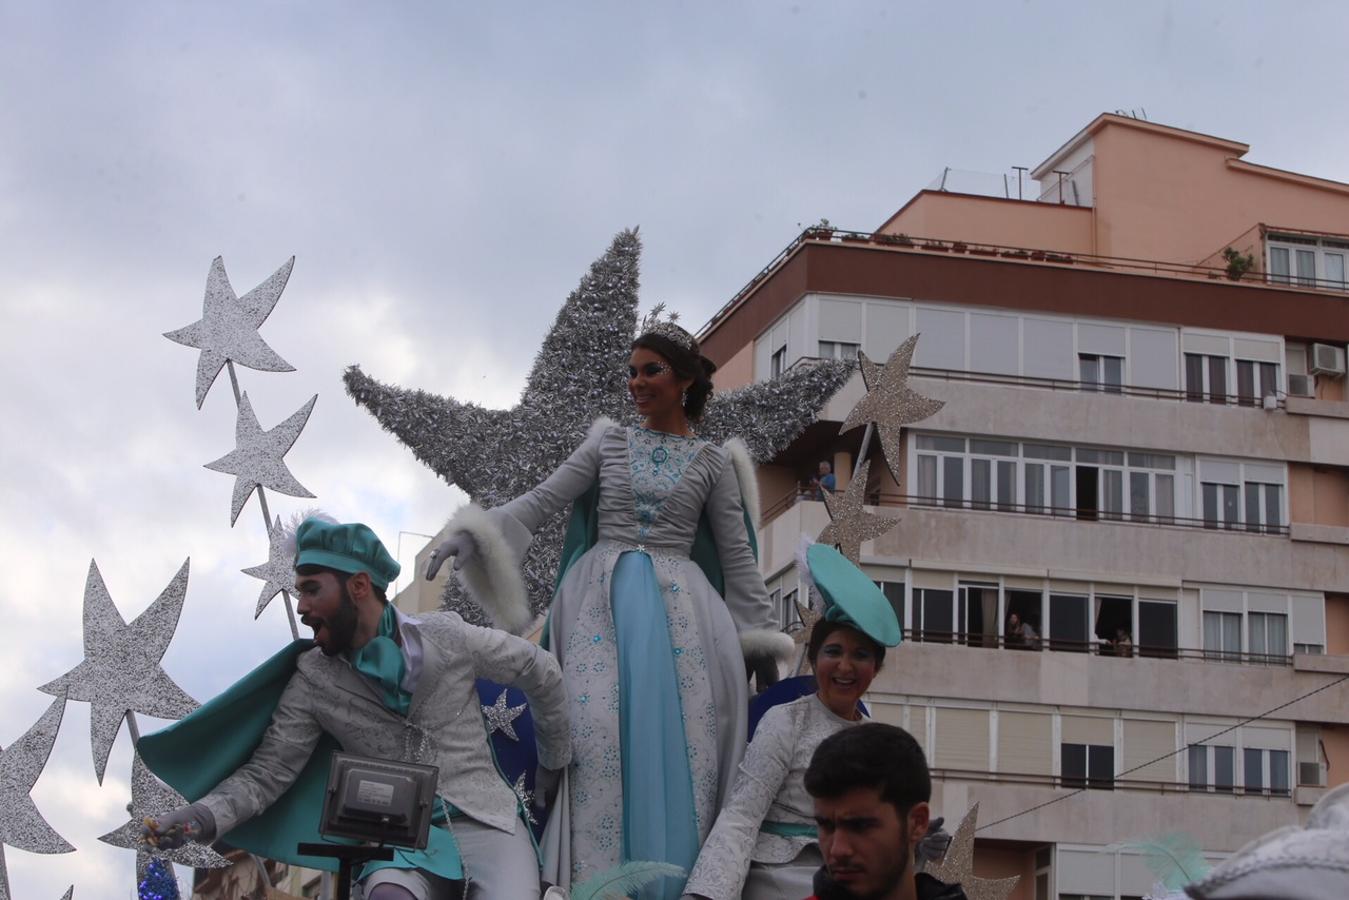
x=1021, y=634
x=1124, y=642
x=764, y=845
x=824, y=482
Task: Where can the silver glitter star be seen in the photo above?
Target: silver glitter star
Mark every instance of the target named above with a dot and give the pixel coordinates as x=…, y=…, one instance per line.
x=851, y=524
x=808, y=618
x=256, y=459
x=500, y=716
x=21, y=825
x=957, y=866
x=228, y=327
x=121, y=672
x=151, y=797
x=526, y=798
x=889, y=402
x=578, y=376
x=279, y=570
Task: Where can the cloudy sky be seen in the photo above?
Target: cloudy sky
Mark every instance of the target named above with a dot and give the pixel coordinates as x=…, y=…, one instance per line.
x=443, y=174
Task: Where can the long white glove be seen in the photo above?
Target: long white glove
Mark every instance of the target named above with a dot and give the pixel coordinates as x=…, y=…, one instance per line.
x=174, y=829
x=459, y=545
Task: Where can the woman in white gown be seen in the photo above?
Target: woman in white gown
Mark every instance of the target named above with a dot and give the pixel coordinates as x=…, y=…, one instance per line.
x=653, y=651
x=764, y=844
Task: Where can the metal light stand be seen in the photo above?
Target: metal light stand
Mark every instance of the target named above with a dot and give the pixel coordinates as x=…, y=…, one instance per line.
x=347, y=856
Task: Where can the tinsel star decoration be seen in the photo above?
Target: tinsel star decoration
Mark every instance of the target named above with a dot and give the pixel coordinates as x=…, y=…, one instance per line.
x=500, y=717
x=278, y=572
x=579, y=374
x=851, y=524
x=257, y=458
x=228, y=327
x=808, y=617
x=121, y=672
x=957, y=866
x=526, y=798
x=890, y=403
x=21, y=825
x=151, y=798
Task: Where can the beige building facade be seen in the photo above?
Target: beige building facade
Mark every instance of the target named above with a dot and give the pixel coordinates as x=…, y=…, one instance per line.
x=1144, y=455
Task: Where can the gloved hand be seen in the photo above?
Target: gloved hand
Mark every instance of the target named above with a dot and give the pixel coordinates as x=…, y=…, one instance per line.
x=546, y=782
x=460, y=545
x=934, y=844
x=174, y=829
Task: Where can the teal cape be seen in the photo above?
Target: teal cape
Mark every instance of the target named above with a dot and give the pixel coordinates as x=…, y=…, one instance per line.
x=583, y=530
x=196, y=753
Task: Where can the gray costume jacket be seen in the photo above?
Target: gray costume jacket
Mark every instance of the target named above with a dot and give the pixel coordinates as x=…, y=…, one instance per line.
x=444, y=725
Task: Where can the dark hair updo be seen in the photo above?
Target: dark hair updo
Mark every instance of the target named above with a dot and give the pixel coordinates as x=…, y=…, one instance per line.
x=687, y=362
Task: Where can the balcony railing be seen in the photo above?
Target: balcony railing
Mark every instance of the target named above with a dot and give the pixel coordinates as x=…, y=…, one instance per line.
x=1005, y=252
x=1074, y=782
x=1079, y=514
x=1094, y=647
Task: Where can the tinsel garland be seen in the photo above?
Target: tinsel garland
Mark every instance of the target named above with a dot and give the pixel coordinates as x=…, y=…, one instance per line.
x=579, y=375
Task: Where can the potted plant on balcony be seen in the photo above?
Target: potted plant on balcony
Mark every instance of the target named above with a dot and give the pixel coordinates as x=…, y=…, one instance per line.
x=856, y=237
x=1238, y=263
x=822, y=230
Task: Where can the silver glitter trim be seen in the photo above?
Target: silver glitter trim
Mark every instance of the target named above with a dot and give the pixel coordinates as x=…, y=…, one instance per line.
x=526, y=798
x=499, y=717
x=21, y=764
x=121, y=670
x=256, y=459
x=579, y=375
x=152, y=797
x=278, y=572
x=228, y=327
x=957, y=866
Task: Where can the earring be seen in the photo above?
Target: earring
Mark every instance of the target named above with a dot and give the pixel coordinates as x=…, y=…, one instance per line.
x=684, y=398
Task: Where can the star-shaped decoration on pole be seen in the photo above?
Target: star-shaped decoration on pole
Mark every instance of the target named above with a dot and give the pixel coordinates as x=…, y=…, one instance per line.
x=279, y=570
x=957, y=866
x=257, y=458
x=889, y=403
x=851, y=524
x=526, y=798
x=808, y=617
x=151, y=798
x=579, y=375
x=499, y=717
x=121, y=672
x=21, y=825
x=228, y=327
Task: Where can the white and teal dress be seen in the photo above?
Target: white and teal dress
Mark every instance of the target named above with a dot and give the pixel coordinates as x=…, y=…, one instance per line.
x=650, y=644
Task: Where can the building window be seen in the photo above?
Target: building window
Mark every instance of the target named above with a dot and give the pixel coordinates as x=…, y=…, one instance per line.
x=933, y=615
x=1307, y=261
x=1265, y=771
x=1212, y=768
x=839, y=350
x=1222, y=635
x=1068, y=623
x=1313, y=649
x=992, y=474
x=1101, y=373
x=1267, y=636
x=778, y=363
x=894, y=592
x=1157, y=635
x=1205, y=378
x=1221, y=503
x=1089, y=766
x=1255, y=381
x=1047, y=484
x=1264, y=507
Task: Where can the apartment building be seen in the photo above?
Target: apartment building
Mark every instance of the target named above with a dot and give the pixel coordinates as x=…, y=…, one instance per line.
x=1143, y=456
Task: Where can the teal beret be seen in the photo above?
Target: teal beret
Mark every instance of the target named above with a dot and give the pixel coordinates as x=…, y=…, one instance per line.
x=346, y=548
x=850, y=596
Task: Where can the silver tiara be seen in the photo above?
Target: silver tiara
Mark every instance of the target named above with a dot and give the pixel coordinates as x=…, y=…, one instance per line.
x=666, y=328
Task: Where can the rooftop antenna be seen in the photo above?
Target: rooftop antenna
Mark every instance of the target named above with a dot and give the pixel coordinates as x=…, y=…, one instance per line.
x=1020, y=170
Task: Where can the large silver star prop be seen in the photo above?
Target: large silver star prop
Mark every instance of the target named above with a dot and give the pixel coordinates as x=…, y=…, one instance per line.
x=957, y=866
x=890, y=404
x=257, y=458
x=851, y=524
x=152, y=797
x=228, y=327
x=578, y=376
x=21, y=825
x=278, y=572
x=121, y=672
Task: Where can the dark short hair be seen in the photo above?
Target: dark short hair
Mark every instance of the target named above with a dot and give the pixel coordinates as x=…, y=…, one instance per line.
x=686, y=363
x=312, y=569
x=823, y=628
x=872, y=755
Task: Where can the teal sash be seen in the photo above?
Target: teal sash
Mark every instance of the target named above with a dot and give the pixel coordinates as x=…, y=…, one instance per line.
x=381, y=660
x=790, y=829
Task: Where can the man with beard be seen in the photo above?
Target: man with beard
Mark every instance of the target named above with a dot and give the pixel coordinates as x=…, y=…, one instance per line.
x=871, y=789
x=391, y=686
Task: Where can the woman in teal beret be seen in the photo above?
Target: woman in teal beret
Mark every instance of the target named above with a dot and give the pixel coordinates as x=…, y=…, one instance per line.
x=764, y=845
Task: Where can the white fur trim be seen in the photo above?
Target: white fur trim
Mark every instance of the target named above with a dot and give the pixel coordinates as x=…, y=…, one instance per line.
x=747, y=476
x=758, y=643
x=492, y=576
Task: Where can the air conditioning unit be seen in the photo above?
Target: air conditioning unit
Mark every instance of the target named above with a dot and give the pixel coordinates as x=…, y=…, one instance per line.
x=1309, y=773
x=1301, y=385
x=1327, y=359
